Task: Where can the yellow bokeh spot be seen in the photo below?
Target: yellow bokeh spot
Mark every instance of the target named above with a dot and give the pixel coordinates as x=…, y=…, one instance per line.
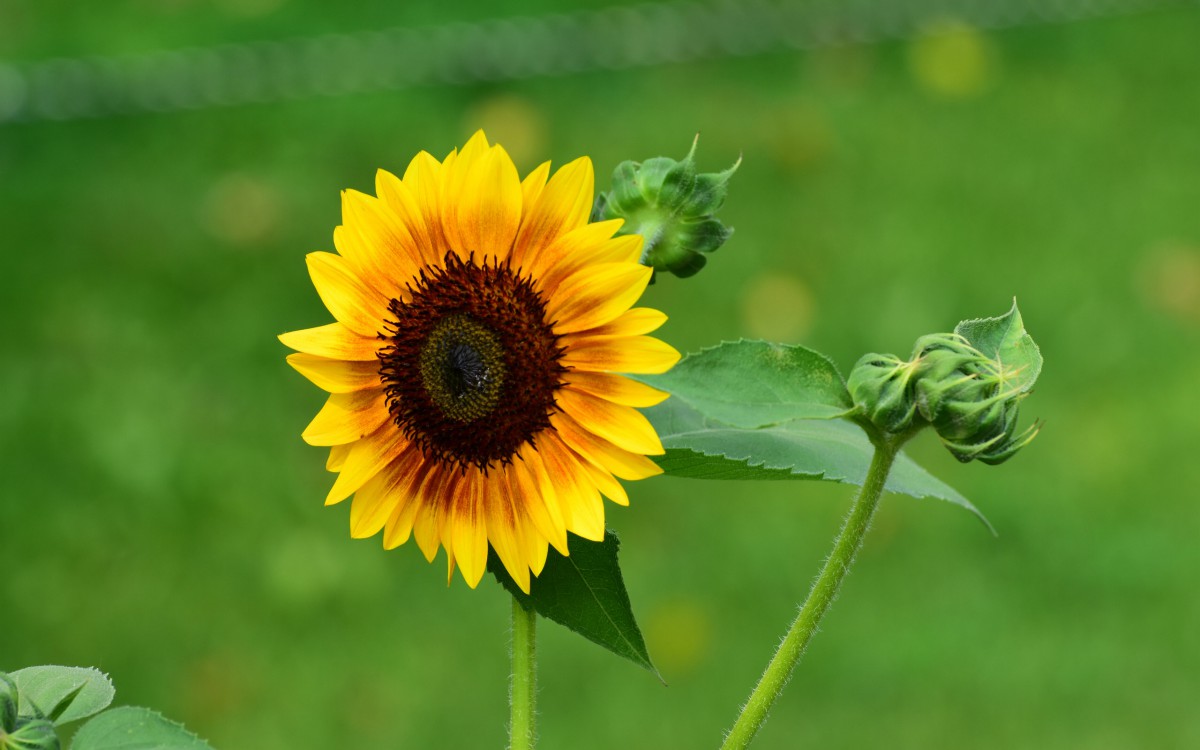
x=777, y=307
x=515, y=123
x=241, y=210
x=797, y=136
x=1170, y=281
x=952, y=59
x=679, y=635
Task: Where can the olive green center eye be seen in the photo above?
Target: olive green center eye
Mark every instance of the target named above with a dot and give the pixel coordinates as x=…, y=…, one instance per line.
x=462, y=368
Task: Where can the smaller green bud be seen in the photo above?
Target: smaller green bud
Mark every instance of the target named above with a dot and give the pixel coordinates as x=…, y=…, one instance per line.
x=30, y=734
x=9, y=701
x=672, y=207
x=881, y=385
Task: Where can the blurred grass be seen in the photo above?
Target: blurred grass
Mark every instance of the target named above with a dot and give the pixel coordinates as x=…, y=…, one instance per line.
x=162, y=519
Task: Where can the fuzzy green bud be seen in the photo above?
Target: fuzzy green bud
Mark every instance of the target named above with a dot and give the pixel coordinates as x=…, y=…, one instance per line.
x=881, y=385
x=672, y=207
x=968, y=385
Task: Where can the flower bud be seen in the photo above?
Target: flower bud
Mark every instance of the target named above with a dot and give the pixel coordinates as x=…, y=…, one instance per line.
x=881, y=385
x=967, y=385
x=672, y=207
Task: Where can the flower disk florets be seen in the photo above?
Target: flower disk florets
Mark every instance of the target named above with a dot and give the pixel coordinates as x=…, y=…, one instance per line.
x=471, y=366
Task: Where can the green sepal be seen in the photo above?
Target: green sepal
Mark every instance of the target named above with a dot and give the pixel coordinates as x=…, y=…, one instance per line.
x=1004, y=340
x=584, y=592
x=31, y=734
x=10, y=698
x=626, y=195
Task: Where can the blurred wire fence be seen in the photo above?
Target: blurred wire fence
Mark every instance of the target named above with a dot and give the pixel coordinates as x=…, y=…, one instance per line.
x=501, y=49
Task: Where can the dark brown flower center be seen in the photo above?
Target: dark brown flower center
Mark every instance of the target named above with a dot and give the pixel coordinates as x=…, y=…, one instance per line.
x=471, y=365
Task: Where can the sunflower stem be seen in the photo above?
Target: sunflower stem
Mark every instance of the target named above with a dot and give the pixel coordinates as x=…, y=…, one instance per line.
x=820, y=597
x=523, y=691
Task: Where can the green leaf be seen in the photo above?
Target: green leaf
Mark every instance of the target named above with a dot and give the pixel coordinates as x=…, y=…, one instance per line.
x=63, y=694
x=755, y=383
x=1005, y=340
x=586, y=593
x=131, y=728
x=833, y=450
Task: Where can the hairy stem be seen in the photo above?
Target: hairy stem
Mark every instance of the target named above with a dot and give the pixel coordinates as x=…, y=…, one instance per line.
x=823, y=592
x=523, y=690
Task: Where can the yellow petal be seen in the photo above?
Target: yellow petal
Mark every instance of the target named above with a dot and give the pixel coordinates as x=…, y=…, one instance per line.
x=621, y=425
x=333, y=341
x=425, y=525
x=635, y=354
x=633, y=322
x=617, y=460
x=580, y=502
x=535, y=496
x=504, y=533
x=385, y=498
x=347, y=417
x=361, y=308
x=568, y=251
x=531, y=189
x=539, y=549
x=405, y=475
x=624, y=249
x=402, y=201
x=337, y=457
x=564, y=205
x=470, y=528
x=385, y=253
x=487, y=207
x=335, y=375
x=423, y=178
x=616, y=388
x=596, y=294
x=608, y=486
x=367, y=458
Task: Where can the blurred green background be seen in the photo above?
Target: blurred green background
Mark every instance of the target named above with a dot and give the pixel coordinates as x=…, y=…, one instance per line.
x=162, y=520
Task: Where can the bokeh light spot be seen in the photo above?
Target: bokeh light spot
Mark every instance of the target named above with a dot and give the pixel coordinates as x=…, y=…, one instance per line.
x=679, y=635
x=1170, y=281
x=952, y=59
x=513, y=121
x=777, y=307
x=241, y=210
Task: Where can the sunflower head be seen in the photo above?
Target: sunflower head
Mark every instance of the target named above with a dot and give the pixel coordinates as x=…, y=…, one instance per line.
x=474, y=365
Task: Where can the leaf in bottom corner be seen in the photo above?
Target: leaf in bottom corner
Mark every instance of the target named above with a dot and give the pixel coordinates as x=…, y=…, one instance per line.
x=585, y=593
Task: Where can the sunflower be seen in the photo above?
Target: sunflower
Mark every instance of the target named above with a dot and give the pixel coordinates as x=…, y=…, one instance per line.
x=481, y=323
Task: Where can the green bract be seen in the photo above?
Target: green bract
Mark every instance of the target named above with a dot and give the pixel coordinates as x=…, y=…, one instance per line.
x=968, y=385
x=670, y=205
x=9, y=700
x=30, y=734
